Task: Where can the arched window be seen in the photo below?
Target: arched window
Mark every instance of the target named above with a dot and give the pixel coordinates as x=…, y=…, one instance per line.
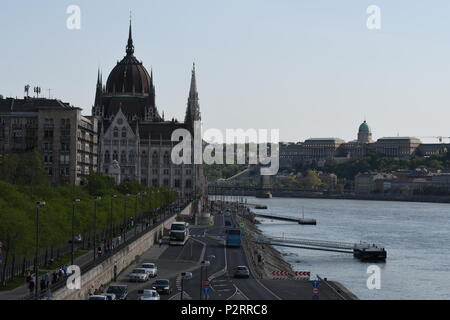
x=116, y=132
x=155, y=159
x=131, y=156
x=124, y=132
x=123, y=157
x=115, y=156
x=166, y=158
x=107, y=157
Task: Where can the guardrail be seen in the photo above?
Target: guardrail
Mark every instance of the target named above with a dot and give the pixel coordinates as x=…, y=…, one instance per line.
x=331, y=287
x=309, y=242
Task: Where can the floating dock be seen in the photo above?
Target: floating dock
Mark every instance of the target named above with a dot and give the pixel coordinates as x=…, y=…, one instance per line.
x=301, y=221
x=362, y=251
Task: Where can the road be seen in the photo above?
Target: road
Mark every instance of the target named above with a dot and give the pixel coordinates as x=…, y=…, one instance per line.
x=207, y=242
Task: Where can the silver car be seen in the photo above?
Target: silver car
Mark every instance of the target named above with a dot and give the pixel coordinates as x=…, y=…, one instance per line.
x=242, y=272
x=139, y=275
x=151, y=269
x=148, y=294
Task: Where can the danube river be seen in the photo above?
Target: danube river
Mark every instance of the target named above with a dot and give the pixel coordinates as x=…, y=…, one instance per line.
x=415, y=235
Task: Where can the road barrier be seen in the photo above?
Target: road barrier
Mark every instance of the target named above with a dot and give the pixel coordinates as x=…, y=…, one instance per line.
x=287, y=275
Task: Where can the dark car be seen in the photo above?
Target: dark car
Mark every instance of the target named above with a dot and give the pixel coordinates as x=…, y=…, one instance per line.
x=162, y=286
x=121, y=291
x=241, y=272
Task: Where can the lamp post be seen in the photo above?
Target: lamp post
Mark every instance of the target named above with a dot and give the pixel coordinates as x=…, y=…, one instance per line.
x=136, y=213
x=73, y=231
x=111, y=221
x=36, y=264
x=143, y=216
x=124, y=226
x=95, y=224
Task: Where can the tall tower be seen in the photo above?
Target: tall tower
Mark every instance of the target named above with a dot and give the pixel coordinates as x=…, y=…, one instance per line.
x=97, y=109
x=364, y=133
x=193, y=106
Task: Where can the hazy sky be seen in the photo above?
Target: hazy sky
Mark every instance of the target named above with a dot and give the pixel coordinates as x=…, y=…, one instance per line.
x=308, y=67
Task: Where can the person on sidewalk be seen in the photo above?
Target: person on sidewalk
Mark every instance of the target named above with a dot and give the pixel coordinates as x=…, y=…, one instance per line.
x=42, y=284
x=47, y=280
x=54, y=277
x=160, y=242
x=28, y=278
x=31, y=286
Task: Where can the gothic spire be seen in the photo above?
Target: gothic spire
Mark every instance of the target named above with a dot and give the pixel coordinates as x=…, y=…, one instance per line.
x=193, y=107
x=130, y=46
x=99, y=78
x=193, y=94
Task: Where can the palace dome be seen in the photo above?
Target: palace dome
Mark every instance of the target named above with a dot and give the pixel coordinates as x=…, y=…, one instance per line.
x=129, y=76
x=364, y=127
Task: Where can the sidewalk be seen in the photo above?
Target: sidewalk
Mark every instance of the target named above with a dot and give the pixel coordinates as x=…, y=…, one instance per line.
x=22, y=291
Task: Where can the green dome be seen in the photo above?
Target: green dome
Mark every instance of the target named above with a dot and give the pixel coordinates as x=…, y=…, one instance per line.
x=364, y=127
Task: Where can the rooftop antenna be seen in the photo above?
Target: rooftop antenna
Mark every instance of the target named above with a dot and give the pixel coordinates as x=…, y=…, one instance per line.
x=37, y=90
x=49, y=93
x=27, y=90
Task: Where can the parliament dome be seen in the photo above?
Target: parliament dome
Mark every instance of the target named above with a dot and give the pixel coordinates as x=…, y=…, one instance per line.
x=129, y=76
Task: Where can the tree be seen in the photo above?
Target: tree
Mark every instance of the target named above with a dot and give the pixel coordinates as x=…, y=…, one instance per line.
x=311, y=179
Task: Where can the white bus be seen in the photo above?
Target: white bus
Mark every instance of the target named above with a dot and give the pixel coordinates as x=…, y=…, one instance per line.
x=179, y=233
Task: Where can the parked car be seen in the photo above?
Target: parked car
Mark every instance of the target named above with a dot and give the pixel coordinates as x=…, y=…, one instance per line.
x=151, y=269
x=241, y=272
x=109, y=296
x=139, y=275
x=121, y=291
x=148, y=294
x=98, y=297
x=162, y=286
x=77, y=239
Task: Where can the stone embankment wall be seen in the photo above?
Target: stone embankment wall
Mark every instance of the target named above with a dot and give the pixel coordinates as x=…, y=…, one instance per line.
x=104, y=272
x=263, y=258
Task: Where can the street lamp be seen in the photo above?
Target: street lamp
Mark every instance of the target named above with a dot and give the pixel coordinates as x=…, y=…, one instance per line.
x=36, y=264
x=136, y=213
x=111, y=221
x=95, y=224
x=73, y=229
x=124, y=226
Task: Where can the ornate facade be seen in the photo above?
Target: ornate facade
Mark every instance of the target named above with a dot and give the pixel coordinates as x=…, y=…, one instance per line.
x=135, y=140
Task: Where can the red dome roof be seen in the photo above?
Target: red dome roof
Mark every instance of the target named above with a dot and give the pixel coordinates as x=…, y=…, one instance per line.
x=129, y=76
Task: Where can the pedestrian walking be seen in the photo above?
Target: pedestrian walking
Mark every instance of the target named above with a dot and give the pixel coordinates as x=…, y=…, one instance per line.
x=42, y=284
x=54, y=277
x=160, y=242
x=31, y=286
x=47, y=280
x=99, y=251
x=28, y=278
